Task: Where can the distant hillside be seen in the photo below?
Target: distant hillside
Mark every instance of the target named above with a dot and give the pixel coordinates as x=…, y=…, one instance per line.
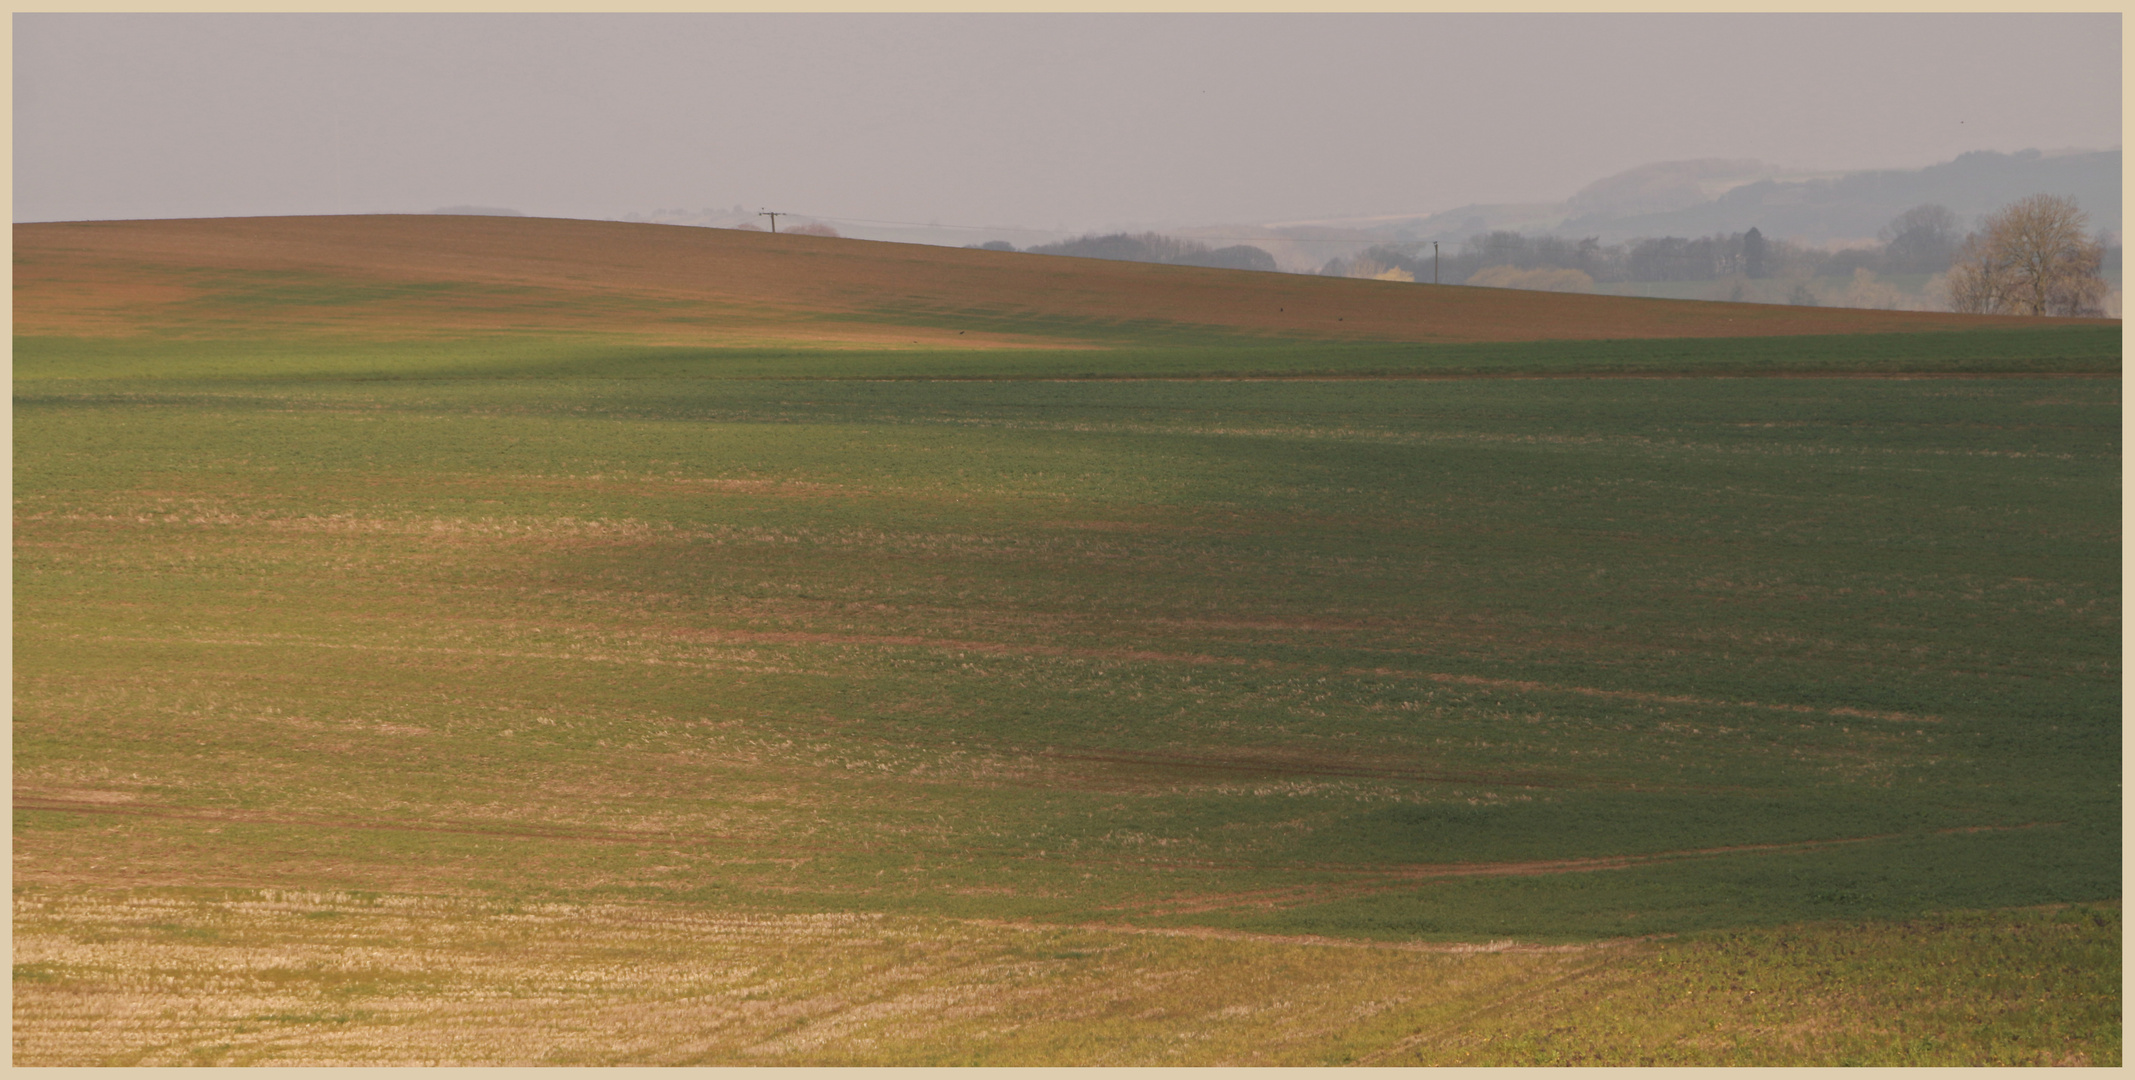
x=1853, y=206
x=1668, y=185
x=1699, y=198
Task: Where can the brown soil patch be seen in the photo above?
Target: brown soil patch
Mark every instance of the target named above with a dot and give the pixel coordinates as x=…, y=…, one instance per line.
x=88, y=797
x=715, y=286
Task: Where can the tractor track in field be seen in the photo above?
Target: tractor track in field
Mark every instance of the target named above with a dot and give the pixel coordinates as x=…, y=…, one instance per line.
x=1391, y=874
x=1357, y=880
x=722, y=636
x=1212, y=933
x=1382, y=879
x=1280, y=766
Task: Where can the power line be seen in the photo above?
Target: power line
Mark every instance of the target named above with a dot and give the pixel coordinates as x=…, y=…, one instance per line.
x=1387, y=241
x=1027, y=229
x=928, y=224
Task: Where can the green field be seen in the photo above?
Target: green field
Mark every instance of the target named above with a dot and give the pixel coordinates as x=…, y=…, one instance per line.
x=1219, y=693
x=1175, y=353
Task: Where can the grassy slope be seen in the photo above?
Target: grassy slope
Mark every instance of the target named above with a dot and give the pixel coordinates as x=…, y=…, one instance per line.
x=2056, y=351
x=568, y=618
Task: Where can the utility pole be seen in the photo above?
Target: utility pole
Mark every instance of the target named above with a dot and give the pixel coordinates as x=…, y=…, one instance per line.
x=773, y=215
x=1434, y=262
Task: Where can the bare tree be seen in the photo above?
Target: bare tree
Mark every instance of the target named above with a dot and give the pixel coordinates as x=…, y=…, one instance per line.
x=2031, y=258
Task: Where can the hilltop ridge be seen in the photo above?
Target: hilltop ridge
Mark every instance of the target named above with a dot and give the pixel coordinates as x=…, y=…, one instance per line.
x=414, y=276
x=1694, y=198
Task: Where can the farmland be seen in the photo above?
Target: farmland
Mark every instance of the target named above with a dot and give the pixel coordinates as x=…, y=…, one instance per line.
x=482, y=641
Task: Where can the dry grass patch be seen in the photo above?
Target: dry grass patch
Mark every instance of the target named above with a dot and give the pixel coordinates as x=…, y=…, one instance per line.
x=2034, y=987
x=149, y=977
x=307, y=977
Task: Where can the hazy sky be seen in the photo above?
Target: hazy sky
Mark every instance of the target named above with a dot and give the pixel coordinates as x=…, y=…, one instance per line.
x=1051, y=121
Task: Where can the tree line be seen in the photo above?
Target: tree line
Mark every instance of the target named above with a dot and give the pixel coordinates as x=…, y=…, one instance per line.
x=2032, y=257
x=1923, y=240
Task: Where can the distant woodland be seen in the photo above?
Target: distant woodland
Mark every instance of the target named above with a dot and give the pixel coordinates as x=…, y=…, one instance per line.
x=1904, y=269
x=1151, y=247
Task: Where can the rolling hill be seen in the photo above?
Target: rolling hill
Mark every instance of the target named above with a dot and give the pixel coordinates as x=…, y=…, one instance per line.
x=443, y=275
x=510, y=641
